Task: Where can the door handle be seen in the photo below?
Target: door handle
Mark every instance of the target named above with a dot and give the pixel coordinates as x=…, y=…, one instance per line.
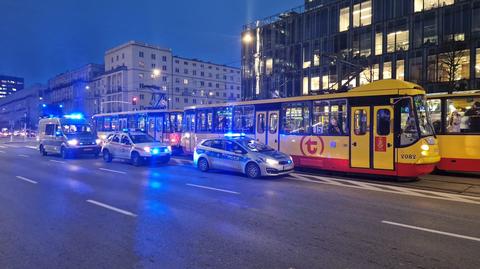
x=354, y=144
x=389, y=145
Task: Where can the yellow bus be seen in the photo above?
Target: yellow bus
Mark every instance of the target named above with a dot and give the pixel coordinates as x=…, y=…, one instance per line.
x=456, y=120
x=381, y=128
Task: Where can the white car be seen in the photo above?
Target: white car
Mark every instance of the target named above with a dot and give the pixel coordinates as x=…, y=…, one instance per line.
x=137, y=147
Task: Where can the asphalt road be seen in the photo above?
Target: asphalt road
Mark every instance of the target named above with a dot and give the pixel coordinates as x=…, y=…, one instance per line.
x=84, y=213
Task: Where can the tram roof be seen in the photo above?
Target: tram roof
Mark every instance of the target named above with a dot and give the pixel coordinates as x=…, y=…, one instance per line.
x=454, y=94
x=137, y=112
x=376, y=88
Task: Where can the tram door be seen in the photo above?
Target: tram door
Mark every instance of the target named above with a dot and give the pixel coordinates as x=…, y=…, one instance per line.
x=122, y=123
x=151, y=126
x=267, y=128
x=159, y=126
x=360, y=137
x=383, y=151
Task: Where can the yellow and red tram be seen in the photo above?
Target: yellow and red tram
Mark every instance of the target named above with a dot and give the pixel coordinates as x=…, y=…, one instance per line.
x=456, y=120
x=381, y=128
x=163, y=125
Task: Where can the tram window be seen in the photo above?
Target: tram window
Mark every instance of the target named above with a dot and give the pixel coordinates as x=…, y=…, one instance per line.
x=261, y=123
x=204, y=121
x=132, y=122
x=141, y=122
x=296, y=118
x=383, y=122
x=435, y=108
x=408, y=124
x=114, y=124
x=338, y=124
x=223, y=120
x=151, y=125
x=243, y=117
x=159, y=125
x=179, y=123
x=99, y=124
x=106, y=124
x=463, y=115
x=190, y=122
x=321, y=114
x=273, y=123
x=360, y=122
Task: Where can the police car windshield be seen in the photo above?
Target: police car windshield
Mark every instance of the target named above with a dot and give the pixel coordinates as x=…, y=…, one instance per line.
x=255, y=146
x=73, y=129
x=141, y=138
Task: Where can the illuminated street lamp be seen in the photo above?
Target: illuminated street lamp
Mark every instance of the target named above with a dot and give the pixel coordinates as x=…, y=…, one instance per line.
x=247, y=38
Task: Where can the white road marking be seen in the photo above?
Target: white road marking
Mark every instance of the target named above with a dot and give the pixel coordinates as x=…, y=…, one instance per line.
x=1, y=151
x=55, y=161
x=2, y=147
x=431, y=231
x=118, y=210
x=31, y=147
x=211, y=188
x=23, y=155
x=26, y=179
x=113, y=171
x=389, y=189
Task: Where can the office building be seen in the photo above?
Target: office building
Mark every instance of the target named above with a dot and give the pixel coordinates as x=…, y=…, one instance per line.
x=325, y=45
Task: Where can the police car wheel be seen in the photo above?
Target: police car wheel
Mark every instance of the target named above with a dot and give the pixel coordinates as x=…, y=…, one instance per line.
x=107, y=157
x=136, y=161
x=64, y=153
x=252, y=170
x=203, y=164
x=43, y=151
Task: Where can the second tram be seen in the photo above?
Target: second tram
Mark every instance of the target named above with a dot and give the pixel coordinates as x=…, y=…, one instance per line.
x=381, y=128
x=456, y=120
x=163, y=125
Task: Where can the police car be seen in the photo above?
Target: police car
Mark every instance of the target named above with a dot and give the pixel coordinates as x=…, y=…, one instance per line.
x=241, y=154
x=135, y=146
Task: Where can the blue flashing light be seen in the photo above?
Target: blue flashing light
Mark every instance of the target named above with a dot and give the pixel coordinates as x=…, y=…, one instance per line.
x=232, y=135
x=44, y=105
x=60, y=106
x=155, y=151
x=155, y=185
x=125, y=130
x=74, y=116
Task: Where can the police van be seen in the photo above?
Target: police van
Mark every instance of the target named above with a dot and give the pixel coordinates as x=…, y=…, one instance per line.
x=68, y=136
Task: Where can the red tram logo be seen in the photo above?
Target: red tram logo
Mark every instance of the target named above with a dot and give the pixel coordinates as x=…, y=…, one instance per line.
x=312, y=146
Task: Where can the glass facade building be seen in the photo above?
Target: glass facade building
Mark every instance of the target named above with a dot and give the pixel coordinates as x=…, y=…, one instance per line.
x=325, y=45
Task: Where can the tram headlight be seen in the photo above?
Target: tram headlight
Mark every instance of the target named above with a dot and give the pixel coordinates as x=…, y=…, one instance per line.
x=425, y=147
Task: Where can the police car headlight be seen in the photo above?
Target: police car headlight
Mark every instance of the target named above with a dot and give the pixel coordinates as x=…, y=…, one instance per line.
x=147, y=149
x=98, y=141
x=271, y=161
x=169, y=148
x=72, y=142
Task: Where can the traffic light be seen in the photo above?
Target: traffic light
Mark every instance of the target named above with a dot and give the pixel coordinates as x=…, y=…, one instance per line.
x=134, y=101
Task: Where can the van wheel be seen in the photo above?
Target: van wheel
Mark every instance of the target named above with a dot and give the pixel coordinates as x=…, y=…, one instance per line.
x=107, y=157
x=43, y=152
x=252, y=170
x=203, y=165
x=64, y=153
x=136, y=161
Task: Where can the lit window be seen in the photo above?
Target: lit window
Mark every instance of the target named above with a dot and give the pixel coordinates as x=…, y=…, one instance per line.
x=477, y=63
x=397, y=41
x=185, y=81
x=378, y=44
x=362, y=14
x=454, y=65
x=344, y=19
x=268, y=66
x=387, y=70
x=421, y=5
x=324, y=82
x=315, y=84
x=400, y=69
x=316, y=59
x=305, y=86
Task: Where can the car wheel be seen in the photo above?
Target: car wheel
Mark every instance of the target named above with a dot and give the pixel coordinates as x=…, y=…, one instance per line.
x=107, y=157
x=43, y=151
x=135, y=158
x=252, y=170
x=64, y=153
x=203, y=165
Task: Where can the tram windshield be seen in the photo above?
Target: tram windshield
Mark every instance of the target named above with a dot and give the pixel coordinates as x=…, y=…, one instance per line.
x=424, y=123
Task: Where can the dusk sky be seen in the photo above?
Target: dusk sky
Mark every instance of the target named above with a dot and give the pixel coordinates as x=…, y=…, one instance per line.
x=40, y=39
